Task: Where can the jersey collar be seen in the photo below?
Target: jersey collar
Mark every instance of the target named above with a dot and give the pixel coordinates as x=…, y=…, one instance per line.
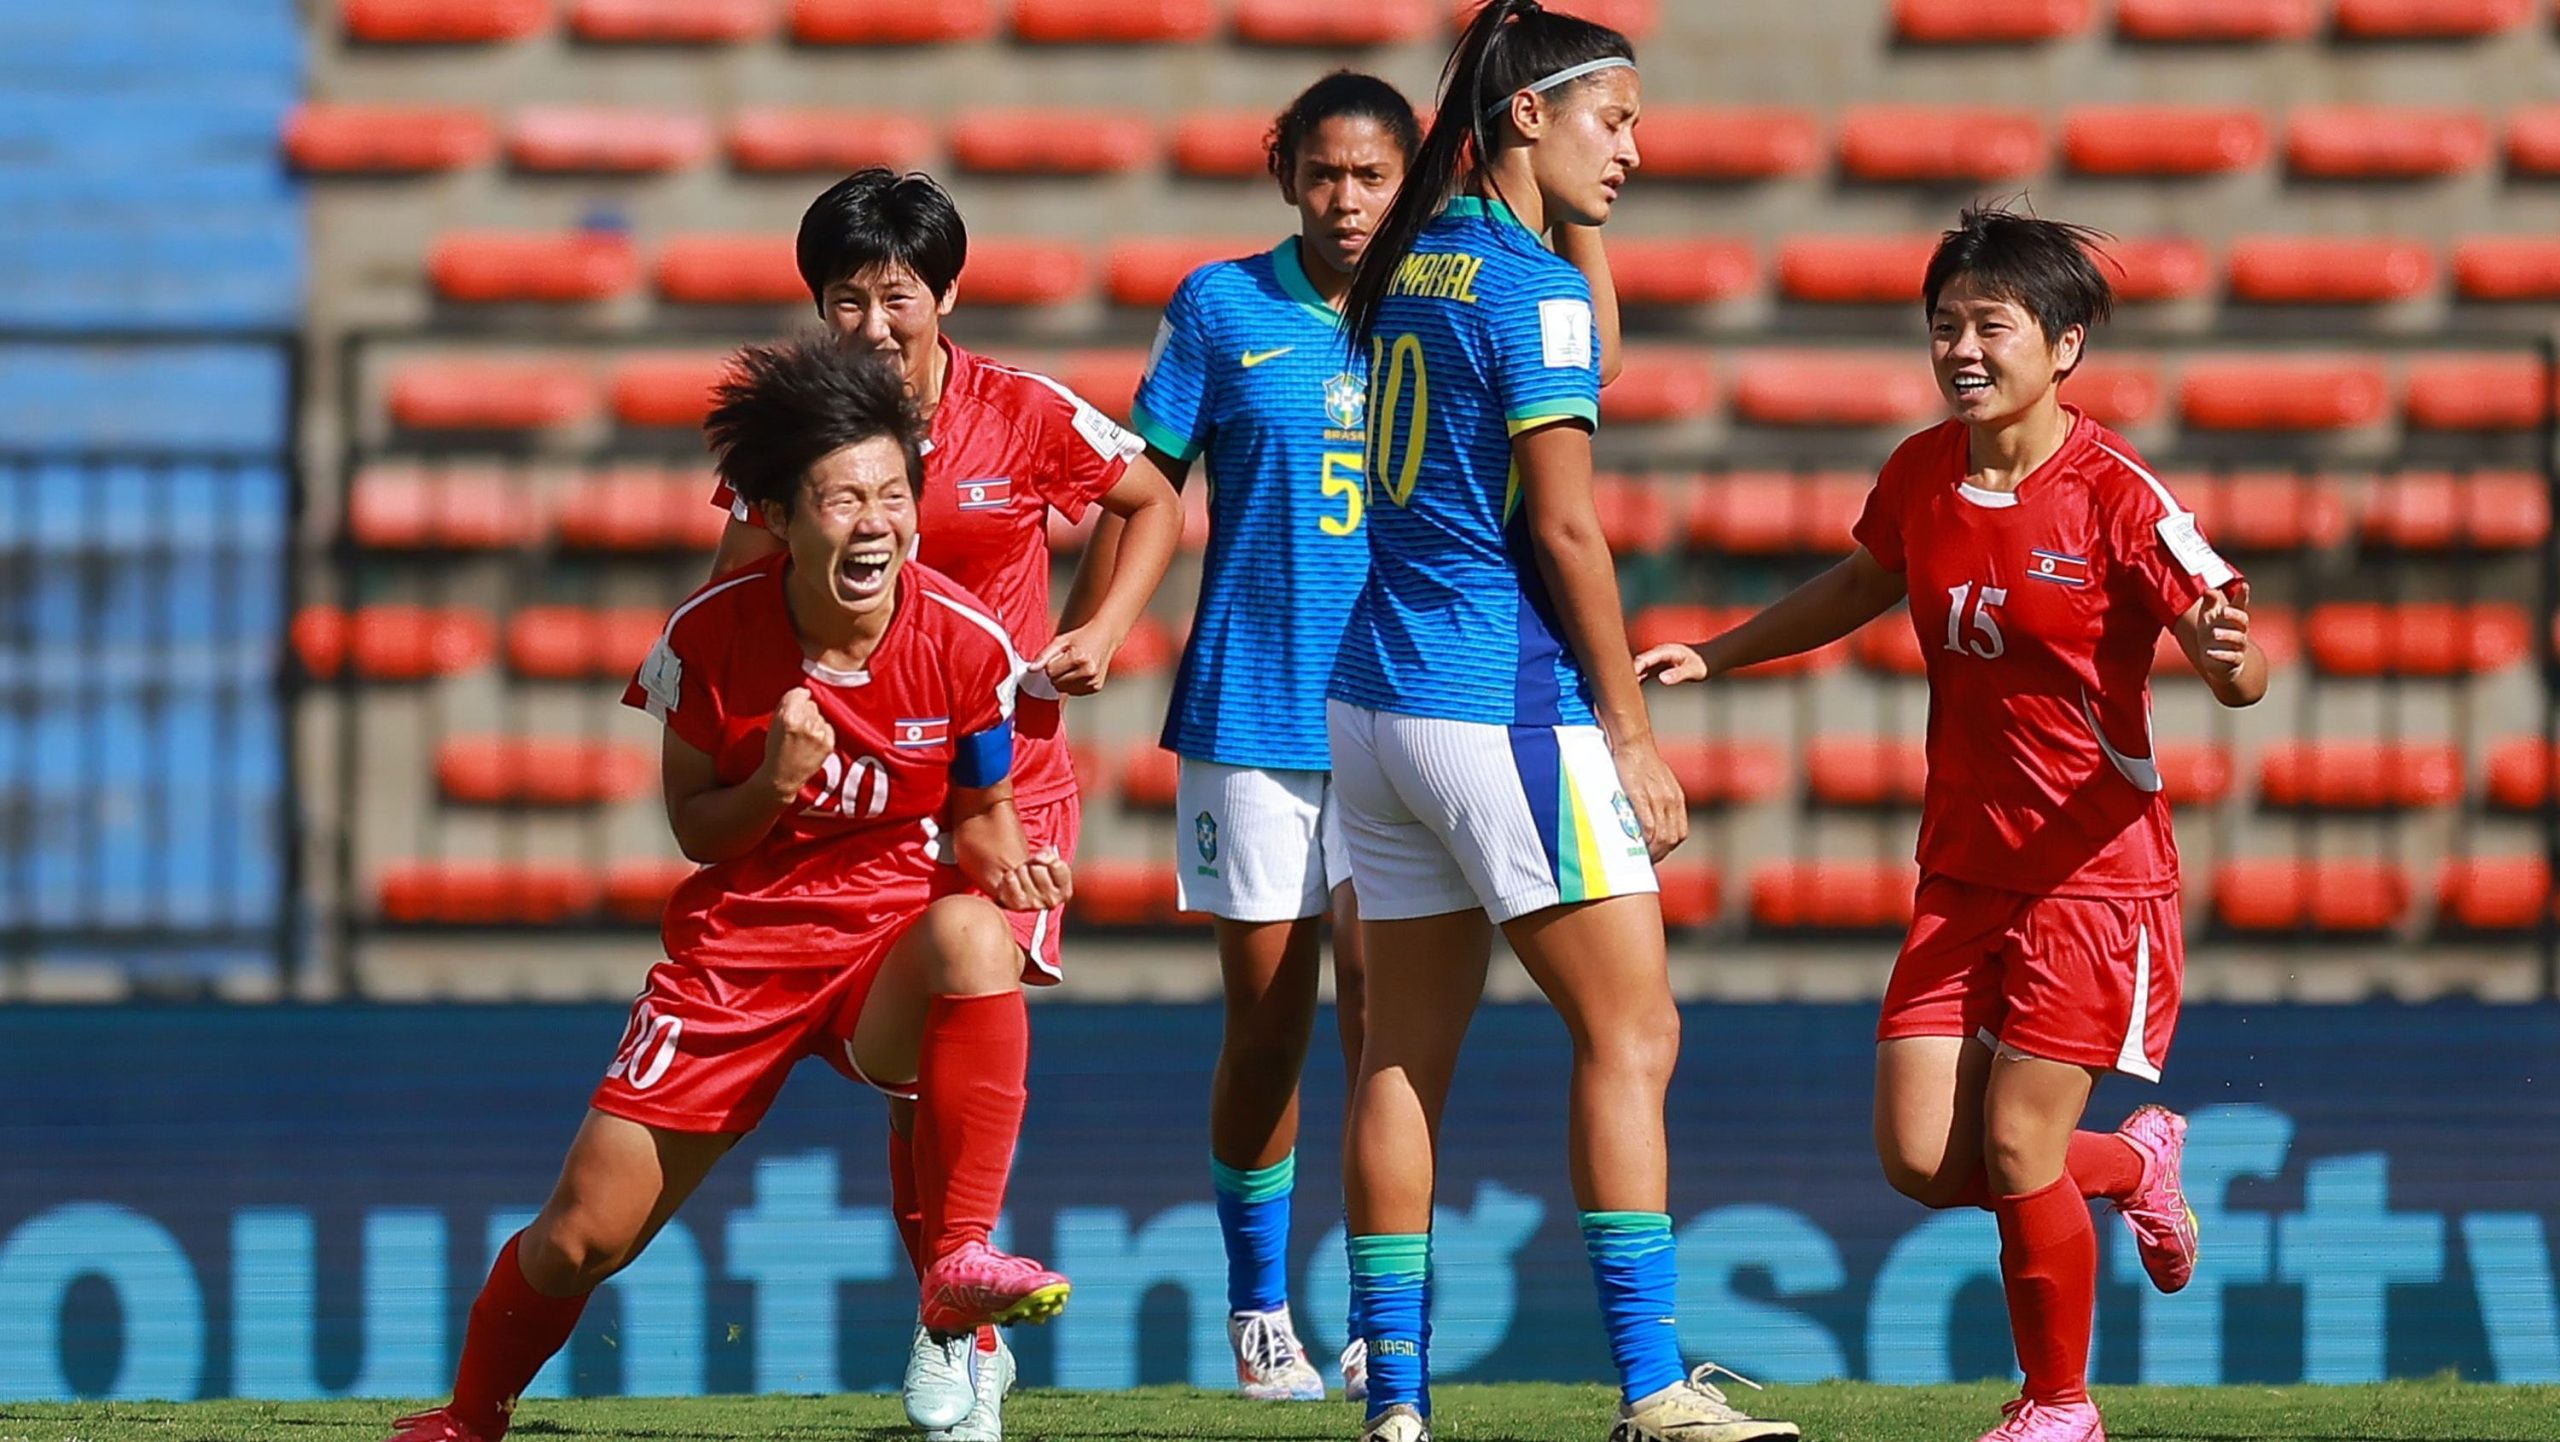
x=1291, y=268
x=1476, y=207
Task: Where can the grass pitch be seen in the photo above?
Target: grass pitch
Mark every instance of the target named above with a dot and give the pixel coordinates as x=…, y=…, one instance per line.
x=1834, y=1412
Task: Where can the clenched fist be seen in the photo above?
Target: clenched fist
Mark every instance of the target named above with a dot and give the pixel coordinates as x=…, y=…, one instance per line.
x=1038, y=884
x=799, y=742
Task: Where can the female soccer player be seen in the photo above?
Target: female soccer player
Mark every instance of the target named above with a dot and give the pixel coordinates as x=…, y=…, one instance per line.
x=836, y=717
x=1490, y=748
x=2041, y=559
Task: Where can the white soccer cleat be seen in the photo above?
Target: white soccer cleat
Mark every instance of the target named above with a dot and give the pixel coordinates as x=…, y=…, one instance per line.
x=1271, y=1363
x=985, y=1422
x=1695, y=1410
x=1355, y=1370
x=1399, y=1423
x=941, y=1385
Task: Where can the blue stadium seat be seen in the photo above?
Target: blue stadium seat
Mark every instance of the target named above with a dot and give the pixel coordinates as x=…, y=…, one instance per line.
x=214, y=397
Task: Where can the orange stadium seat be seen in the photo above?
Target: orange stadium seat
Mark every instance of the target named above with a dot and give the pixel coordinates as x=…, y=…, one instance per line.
x=2360, y=775
x=2428, y=19
x=1634, y=19
x=327, y=137
x=814, y=140
x=486, y=893
x=2242, y=511
x=1835, y=388
x=2162, y=268
x=406, y=508
x=1692, y=895
x=2116, y=390
x=1150, y=649
x=731, y=270
x=1988, y=22
x=2508, y=267
x=1146, y=272
x=1865, y=770
x=491, y=395
x=2533, y=140
x=2385, y=142
x=1688, y=625
x=1230, y=144
x=891, y=22
x=393, y=642
x=2521, y=774
x=1773, y=513
x=2193, y=773
x=569, y=266
x=1112, y=22
x=443, y=22
x=2283, y=393
x=1091, y=765
x=672, y=22
x=1855, y=269
x=1832, y=895
x=576, y=643
x=666, y=388
x=2417, y=638
x=1149, y=777
x=1660, y=383
x=2493, y=893
x=1729, y=142
x=1333, y=22
x=640, y=508
x=2266, y=894
x=1026, y=272
x=2208, y=21
x=2486, y=511
x=2479, y=393
x=1055, y=141
x=1635, y=513
x=2328, y=269
x=500, y=770
x=2274, y=628
x=1107, y=378
x=1889, y=646
x=1682, y=272
x=1940, y=142
x=606, y=139
x=2162, y=139
x=1725, y=773
x=638, y=891
x=1125, y=893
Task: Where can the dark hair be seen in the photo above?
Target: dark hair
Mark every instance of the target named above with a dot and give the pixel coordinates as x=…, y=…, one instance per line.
x=784, y=407
x=1343, y=94
x=2048, y=267
x=1507, y=46
x=877, y=215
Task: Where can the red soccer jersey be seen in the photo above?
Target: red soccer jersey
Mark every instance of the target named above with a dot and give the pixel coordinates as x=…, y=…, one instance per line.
x=2039, y=611
x=931, y=708
x=1008, y=446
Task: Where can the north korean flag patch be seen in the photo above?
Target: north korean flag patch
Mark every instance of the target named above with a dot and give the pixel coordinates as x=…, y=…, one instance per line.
x=2058, y=568
x=922, y=731
x=987, y=493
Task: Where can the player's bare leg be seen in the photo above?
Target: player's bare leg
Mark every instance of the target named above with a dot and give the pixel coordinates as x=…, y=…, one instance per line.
x=2048, y=1249
x=1350, y=986
x=1268, y=972
x=1928, y=1119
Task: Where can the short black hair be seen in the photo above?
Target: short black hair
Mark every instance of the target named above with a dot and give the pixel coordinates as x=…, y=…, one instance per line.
x=784, y=407
x=1344, y=93
x=877, y=215
x=2047, y=267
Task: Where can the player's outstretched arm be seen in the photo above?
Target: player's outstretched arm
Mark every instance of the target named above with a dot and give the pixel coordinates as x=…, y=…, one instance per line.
x=715, y=822
x=2214, y=633
x=1580, y=246
x=1840, y=600
x=742, y=543
x=1118, y=575
x=988, y=844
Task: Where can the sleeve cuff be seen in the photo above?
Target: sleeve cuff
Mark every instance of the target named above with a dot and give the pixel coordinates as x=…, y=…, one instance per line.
x=1563, y=408
x=1158, y=435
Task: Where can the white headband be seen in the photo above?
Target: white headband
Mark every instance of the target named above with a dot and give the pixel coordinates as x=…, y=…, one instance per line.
x=1566, y=75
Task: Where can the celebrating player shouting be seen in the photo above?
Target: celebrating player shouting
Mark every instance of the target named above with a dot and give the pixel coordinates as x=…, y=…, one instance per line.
x=838, y=754
x=2042, y=560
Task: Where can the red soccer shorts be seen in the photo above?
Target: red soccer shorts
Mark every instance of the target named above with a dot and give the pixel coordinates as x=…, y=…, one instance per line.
x=2089, y=980
x=1052, y=823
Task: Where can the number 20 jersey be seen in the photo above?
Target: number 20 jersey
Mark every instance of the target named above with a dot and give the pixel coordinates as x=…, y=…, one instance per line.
x=2040, y=612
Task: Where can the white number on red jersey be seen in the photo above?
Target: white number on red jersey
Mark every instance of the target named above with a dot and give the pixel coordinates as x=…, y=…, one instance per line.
x=1986, y=641
x=859, y=791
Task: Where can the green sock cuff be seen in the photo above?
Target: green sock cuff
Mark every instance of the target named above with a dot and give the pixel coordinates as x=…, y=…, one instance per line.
x=1625, y=1224
x=1260, y=1184
x=1391, y=1254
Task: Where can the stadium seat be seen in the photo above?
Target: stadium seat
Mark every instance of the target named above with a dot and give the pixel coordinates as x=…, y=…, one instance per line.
x=2193, y=773
x=576, y=643
x=503, y=770
x=2278, y=894
x=2211, y=21
x=1112, y=22
x=2437, y=511
x=491, y=395
x=580, y=265
x=2493, y=893
x=2428, y=19
x=2263, y=511
x=2417, y=638
x=606, y=140
x=1150, y=650
x=1022, y=141
x=392, y=642
x=637, y=891
x=2533, y=140
x=1836, y=388
x=1107, y=378
x=1634, y=19
x=1635, y=513
x=1682, y=272
x=2385, y=142
x=1149, y=777
x=2521, y=774
x=2510, y=392
x=1889, y=646
x=1115, y=893
x=668, y=388
x=2508, y=267
x=1729, y=142
x=1774, y=513
x=1855, y=269
x=1832, y=895
x=405, y=508
x=2275, y=629
x=2359, y=775
x=443, y=22
x=1333, y=22
x=904, y=22
x=2162, y=140
x=1725, y=773
x=1987, y=22
x=1655, y=625
x=672, y=22
x=1660, y=383
x=1091, y=765
x=799, y=139
x=1691, y=894
x=2115, y=390
x=1940, y=142
x=337, y=137
x=1865, y=770
x=1224, y=144
x=486, y=893
x=731, y=270
x=1025, y=272
x=2328, y=269
x=640, y=508
x=1146, y=272
x=2161, y=268
x=2283, y=393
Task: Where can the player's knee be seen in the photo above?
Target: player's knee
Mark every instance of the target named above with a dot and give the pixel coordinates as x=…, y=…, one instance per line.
x=1924, y=1179
x=973, y=949
x=571, y=1254
x=2019, y=1153
x=1643, y=1048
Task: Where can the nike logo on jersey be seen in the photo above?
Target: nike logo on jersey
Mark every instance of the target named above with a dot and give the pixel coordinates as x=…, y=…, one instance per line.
x=1254, y=358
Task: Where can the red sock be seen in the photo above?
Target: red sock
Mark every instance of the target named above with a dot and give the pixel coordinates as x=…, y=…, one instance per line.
x=902, y=1197
x=970, y=1096
x=2105, y=1165
x=514, y=1330
x=2049, y=1268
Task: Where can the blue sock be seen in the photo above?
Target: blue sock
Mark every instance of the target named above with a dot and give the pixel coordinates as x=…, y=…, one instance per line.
x=1253, y=1216
x=1635, y=1263
x=1390, y=1294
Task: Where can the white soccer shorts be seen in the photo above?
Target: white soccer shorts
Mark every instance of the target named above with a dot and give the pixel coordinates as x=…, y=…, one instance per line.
x=1446, y=816
x=1256, y=844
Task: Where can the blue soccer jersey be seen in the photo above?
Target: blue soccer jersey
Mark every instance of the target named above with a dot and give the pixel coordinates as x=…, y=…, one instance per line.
x=1250, y=369
x=1484, y=333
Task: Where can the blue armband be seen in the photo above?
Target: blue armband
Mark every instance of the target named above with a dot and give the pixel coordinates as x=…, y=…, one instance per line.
x=982, y=760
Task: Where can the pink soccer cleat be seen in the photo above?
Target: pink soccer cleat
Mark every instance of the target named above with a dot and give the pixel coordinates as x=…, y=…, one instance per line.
x=976, y=1286
x=2164, y=1226
x=2026, y=1420
x=439, y=1425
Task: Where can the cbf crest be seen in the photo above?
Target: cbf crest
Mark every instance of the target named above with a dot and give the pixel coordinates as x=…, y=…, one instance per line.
x=1204, y=835
x=1346, y=402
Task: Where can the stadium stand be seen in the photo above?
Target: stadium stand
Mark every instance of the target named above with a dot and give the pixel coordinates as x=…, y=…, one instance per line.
x=2003, y=22
x=2162, y=140
x=1940, y=143
x=910, y=22
x=671, y=22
